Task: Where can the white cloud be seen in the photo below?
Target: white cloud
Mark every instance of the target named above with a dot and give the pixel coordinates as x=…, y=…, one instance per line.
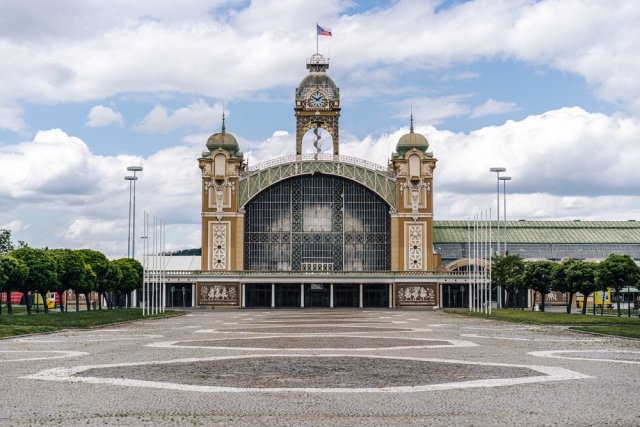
x=67, y=196
x=100, y=116
x=255, y=46
x=11, y=118
x=492, y=107
x=434, y=110
x=199, y=115
x=15, y=226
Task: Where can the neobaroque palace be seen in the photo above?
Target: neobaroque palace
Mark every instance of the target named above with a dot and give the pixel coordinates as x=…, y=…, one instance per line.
x=325, y=230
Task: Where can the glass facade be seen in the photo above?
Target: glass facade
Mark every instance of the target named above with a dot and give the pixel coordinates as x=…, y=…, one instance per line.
x=317, y=223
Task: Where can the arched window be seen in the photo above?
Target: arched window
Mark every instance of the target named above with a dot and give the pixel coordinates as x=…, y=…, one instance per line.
x=317, y=223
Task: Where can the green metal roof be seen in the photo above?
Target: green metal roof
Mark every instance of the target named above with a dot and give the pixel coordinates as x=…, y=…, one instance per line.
x=566, y=232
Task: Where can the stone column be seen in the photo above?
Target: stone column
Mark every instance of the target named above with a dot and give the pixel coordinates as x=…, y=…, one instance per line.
x=273, y=295
x=331, y=295
x=390, y=295
x=361, y=301
x=302, y=296
x=243, y=302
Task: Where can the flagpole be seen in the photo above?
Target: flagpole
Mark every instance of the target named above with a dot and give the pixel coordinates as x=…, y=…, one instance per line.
x=317, y=50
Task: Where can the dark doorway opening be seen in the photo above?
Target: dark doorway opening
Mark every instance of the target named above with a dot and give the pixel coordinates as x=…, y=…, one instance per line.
x=346, y=295
x=376, y=296
x=178, y=295
x=258, y=295
x=455, y=296
x=287, y=296
x=316, y=295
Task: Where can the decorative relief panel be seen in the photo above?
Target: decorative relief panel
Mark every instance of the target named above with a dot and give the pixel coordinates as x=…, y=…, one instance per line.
x=415, y=247
x=212, y=294
x=409, y=295
x=218, y=246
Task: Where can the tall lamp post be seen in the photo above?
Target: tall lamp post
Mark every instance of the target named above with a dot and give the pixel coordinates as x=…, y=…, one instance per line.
x=129, y=178
x=497, y=170
x=504, y=180
x=134, y=169
x=133, y=179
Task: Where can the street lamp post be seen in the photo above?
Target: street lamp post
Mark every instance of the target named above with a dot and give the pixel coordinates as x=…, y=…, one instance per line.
x=131, y=244
x=497, y=170
x=129, y=178
x=134, y=169
x=504, y=180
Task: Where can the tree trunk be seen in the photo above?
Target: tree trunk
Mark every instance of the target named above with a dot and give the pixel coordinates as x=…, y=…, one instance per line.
x=9, y=306
x=77, y=300
x=28, y=301
x=44, y=302
x=569, y=303
x=87, y=299
x=100, y=297
x=618, y=302
x=542, y=302
x=533, y=306
x=584, y=303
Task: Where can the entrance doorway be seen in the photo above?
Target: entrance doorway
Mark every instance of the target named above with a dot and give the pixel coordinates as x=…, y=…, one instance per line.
x=376, y=296
x=455, y=296
x=258, y=295
x=317, y=295
x=178, y=295
x=287, y=296
x=346, y=295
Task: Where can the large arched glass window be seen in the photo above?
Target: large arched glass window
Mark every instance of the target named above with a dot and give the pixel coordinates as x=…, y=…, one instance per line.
x=317, y=223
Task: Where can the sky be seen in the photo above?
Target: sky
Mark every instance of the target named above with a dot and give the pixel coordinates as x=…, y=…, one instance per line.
x=548, y=89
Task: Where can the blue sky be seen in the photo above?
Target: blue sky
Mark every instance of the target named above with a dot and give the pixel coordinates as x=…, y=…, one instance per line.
x=546, y=88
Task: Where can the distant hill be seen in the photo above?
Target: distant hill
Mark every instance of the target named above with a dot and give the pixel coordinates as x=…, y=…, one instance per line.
x=187, y=252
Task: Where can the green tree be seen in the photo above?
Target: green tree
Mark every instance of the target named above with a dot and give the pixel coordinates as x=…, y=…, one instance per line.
x=112, y=282
x=87, y=286
x=131, y=277
x=100, y=267
x=71, y=270
x=5, y=241
x=582, y=276
x=507, y=273
x=561, y=283
x=617, y=272
x=538, y=276
x=42, y=275
x=13, y=273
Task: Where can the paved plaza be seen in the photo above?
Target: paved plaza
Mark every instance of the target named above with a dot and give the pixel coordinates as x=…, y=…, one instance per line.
x=320, y=367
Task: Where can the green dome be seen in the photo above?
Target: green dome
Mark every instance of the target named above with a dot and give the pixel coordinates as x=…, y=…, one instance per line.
x=223, y=140
x=412, y=140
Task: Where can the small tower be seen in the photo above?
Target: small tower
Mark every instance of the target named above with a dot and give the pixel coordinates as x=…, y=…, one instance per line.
x=317, y=103
x=221, y=225
x=413, y=166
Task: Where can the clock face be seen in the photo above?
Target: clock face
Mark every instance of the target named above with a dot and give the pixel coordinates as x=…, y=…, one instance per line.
x=317, y=99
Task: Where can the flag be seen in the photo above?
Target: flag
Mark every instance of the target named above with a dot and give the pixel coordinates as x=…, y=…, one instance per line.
x=323, y=31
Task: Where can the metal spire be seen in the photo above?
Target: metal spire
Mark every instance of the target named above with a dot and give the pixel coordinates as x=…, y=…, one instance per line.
x=223, y=127
x=411, y=126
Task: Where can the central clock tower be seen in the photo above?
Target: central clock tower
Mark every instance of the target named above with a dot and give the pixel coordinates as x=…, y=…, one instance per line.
x=317, y=103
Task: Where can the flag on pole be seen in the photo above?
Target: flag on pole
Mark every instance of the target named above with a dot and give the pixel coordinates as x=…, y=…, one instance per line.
x=323, y=31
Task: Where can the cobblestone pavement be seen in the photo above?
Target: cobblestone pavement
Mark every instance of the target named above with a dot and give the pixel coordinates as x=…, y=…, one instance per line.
x=320, y=367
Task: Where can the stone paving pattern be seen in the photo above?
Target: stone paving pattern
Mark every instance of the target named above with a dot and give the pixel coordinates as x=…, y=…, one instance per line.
x=609, y=397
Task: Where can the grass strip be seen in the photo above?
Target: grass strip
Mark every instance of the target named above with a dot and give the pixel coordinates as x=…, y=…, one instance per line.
x=38, y=323
x=545, y=318
x=618, y=331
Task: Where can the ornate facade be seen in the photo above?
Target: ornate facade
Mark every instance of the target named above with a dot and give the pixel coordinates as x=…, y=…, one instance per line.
x=316, y=229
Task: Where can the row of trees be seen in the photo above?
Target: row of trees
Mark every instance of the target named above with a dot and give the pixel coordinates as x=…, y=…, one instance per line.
x=57, y=270
x=570, y=276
